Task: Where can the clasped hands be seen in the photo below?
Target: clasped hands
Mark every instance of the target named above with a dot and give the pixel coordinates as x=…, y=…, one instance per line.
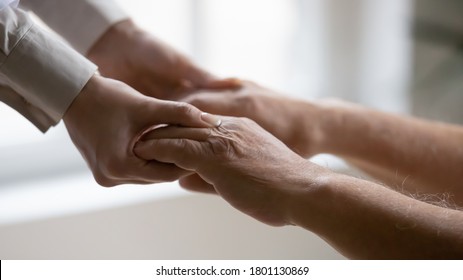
x=116, y=127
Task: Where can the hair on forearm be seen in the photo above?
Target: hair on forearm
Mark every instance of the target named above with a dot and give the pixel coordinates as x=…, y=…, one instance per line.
x=444, y=200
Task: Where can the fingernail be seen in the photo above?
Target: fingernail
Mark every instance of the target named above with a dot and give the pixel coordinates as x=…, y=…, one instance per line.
x=234, y=82
x=211, y=119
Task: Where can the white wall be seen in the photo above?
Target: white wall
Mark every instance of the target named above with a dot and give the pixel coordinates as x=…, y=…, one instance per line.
x=190, y=227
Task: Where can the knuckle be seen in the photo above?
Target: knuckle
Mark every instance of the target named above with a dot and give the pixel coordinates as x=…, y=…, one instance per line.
x=103, y=180
x=222, y=143
x=107, y=172
x=115, y=169
x=185, y=109
x=220, y=146
x=199, y=102
x=183, y=159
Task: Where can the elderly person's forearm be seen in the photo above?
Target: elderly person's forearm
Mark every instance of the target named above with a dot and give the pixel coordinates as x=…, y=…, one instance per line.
x=408, y=153
x=364, y=220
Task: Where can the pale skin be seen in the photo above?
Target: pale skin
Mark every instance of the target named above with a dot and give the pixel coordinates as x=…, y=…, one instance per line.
x=260, y=176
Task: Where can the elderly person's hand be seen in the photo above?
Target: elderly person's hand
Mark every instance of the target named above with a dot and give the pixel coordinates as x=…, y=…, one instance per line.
x=260, y=176
x=107, y=118
x=130, y=54
x=240, y=161
x=295, y=122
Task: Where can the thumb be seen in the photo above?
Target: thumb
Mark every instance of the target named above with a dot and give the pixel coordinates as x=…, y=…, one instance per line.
x=223, y=84
x=178, y=113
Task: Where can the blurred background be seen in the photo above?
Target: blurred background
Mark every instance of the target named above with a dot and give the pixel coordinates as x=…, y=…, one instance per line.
x=401, y=56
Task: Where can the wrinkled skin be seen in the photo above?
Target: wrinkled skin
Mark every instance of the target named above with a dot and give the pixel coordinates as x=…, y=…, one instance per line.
x=247, y=166
x=295, y=122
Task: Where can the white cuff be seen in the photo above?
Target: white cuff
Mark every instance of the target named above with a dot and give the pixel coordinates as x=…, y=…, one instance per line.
x=45, y=71
x=80, y=22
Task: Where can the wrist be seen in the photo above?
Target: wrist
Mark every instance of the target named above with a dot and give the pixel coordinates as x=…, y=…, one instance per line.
x=83, y=101
x=332, y=121
x=312, y=199
x=341, y=126
x=304, y=191
x=312, y=129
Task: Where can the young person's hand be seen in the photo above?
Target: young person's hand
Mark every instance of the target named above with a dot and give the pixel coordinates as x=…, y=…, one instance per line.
x=108, y=117
x=129, y=54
